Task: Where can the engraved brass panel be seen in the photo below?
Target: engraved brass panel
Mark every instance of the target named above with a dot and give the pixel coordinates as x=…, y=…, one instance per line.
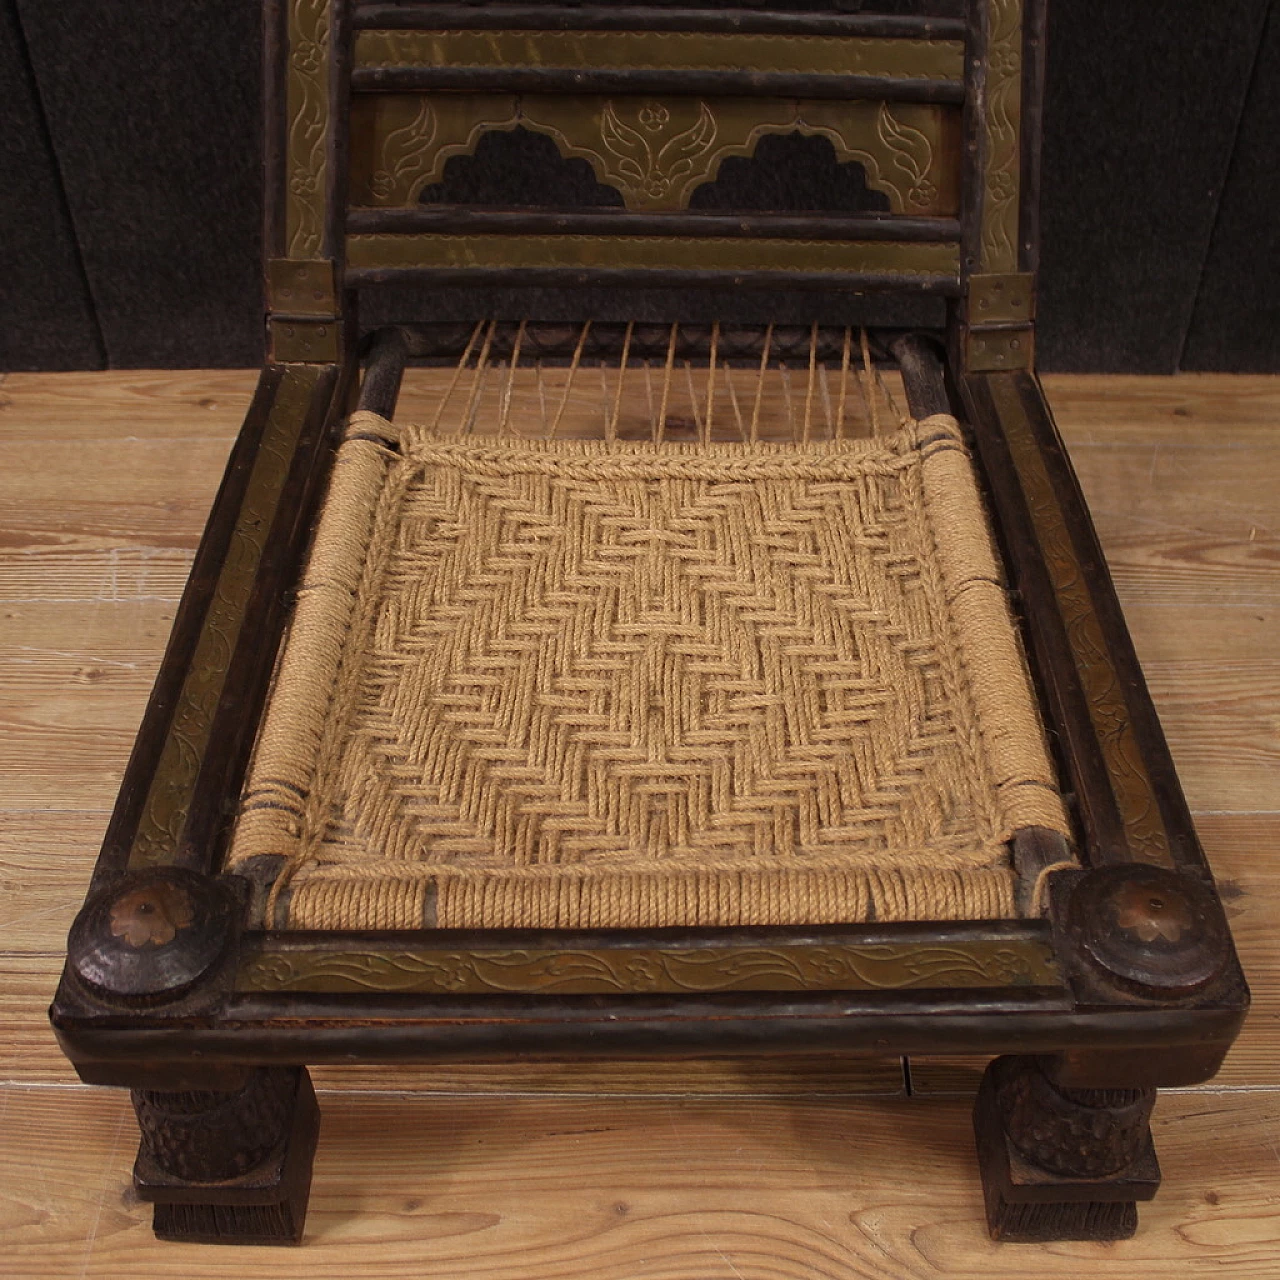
x=301, y=287
x=155, y=842
x=916, y=261
x=306, y=341
x=990, y=350
x=1007, y=298
x=307, y=111
x=897, y=59
x=980, y=963
x=655, y=152
x=1108, y=711
x=1001, y=126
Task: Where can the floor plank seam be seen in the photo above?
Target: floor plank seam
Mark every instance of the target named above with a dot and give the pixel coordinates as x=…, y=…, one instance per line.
x=1236, y=813
x=30, y=809
x=92, y=600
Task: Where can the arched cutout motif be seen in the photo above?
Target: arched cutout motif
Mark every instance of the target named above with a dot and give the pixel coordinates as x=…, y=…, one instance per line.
x=521, y=169
x=656, y=153
x=790, y=173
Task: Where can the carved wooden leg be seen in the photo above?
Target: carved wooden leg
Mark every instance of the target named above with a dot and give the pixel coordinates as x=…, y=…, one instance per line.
x=1062, y=1164
x=229, y=1168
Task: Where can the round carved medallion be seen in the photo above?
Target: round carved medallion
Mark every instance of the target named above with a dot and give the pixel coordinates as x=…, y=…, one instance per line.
x=151, y=934
x=1149, y=926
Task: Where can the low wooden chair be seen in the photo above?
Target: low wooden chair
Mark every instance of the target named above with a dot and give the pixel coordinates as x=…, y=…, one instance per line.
x=670, y=686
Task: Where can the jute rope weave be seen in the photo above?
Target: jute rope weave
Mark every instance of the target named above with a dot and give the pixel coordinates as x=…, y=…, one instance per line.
x=563, y=683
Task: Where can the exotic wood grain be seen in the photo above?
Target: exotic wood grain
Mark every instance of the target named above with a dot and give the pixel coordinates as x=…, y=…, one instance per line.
x=125, y=405
x=44, y=857
x=29, y=1054
x=604, y=1189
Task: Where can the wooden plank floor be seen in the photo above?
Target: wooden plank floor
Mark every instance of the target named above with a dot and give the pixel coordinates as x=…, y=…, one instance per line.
x=686, y=1170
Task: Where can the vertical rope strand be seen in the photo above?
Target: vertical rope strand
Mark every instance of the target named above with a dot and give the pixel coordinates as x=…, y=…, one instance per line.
x=611, y=430
x=457, y=375
x=808, y=390
x=469, y=423
x=698, y=420
x=711, y=378
x=542, y=395
x=477, y=383
x=869, y=385
x=844, y=380
x=894, y=412
x=828, y=420
x=505, y=413
x=764, y=365
x=573, y=369
x=648, y=399
x=733, y=400
x=666, y=383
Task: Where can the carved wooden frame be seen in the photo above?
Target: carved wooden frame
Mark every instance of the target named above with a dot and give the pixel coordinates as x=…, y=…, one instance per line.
x=1129, y=982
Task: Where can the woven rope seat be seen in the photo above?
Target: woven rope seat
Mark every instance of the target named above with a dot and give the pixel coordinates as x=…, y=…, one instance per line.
x=567, y=683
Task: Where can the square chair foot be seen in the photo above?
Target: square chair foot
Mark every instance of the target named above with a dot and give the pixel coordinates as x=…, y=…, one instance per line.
x=1061, y=1164
x=1063, y=1220
x=279, y=1223
x=264, y=1204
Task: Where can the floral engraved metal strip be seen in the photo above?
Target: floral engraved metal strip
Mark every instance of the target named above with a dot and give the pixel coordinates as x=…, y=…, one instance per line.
x=878, y=57
x=310, y=23
x=401, y=141
x=654, y=152
x=1108, y=711
x=981, y=963
x=1001, y=126
x=155, y=842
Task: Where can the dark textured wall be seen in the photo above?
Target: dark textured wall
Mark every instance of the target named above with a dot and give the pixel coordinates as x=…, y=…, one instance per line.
x=1143, y=105
x=1236, y=322
x=130, y=205
x=46, y=315
x=153, y=110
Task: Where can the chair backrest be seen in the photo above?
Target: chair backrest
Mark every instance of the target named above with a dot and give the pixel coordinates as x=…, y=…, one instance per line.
x=780, y=150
